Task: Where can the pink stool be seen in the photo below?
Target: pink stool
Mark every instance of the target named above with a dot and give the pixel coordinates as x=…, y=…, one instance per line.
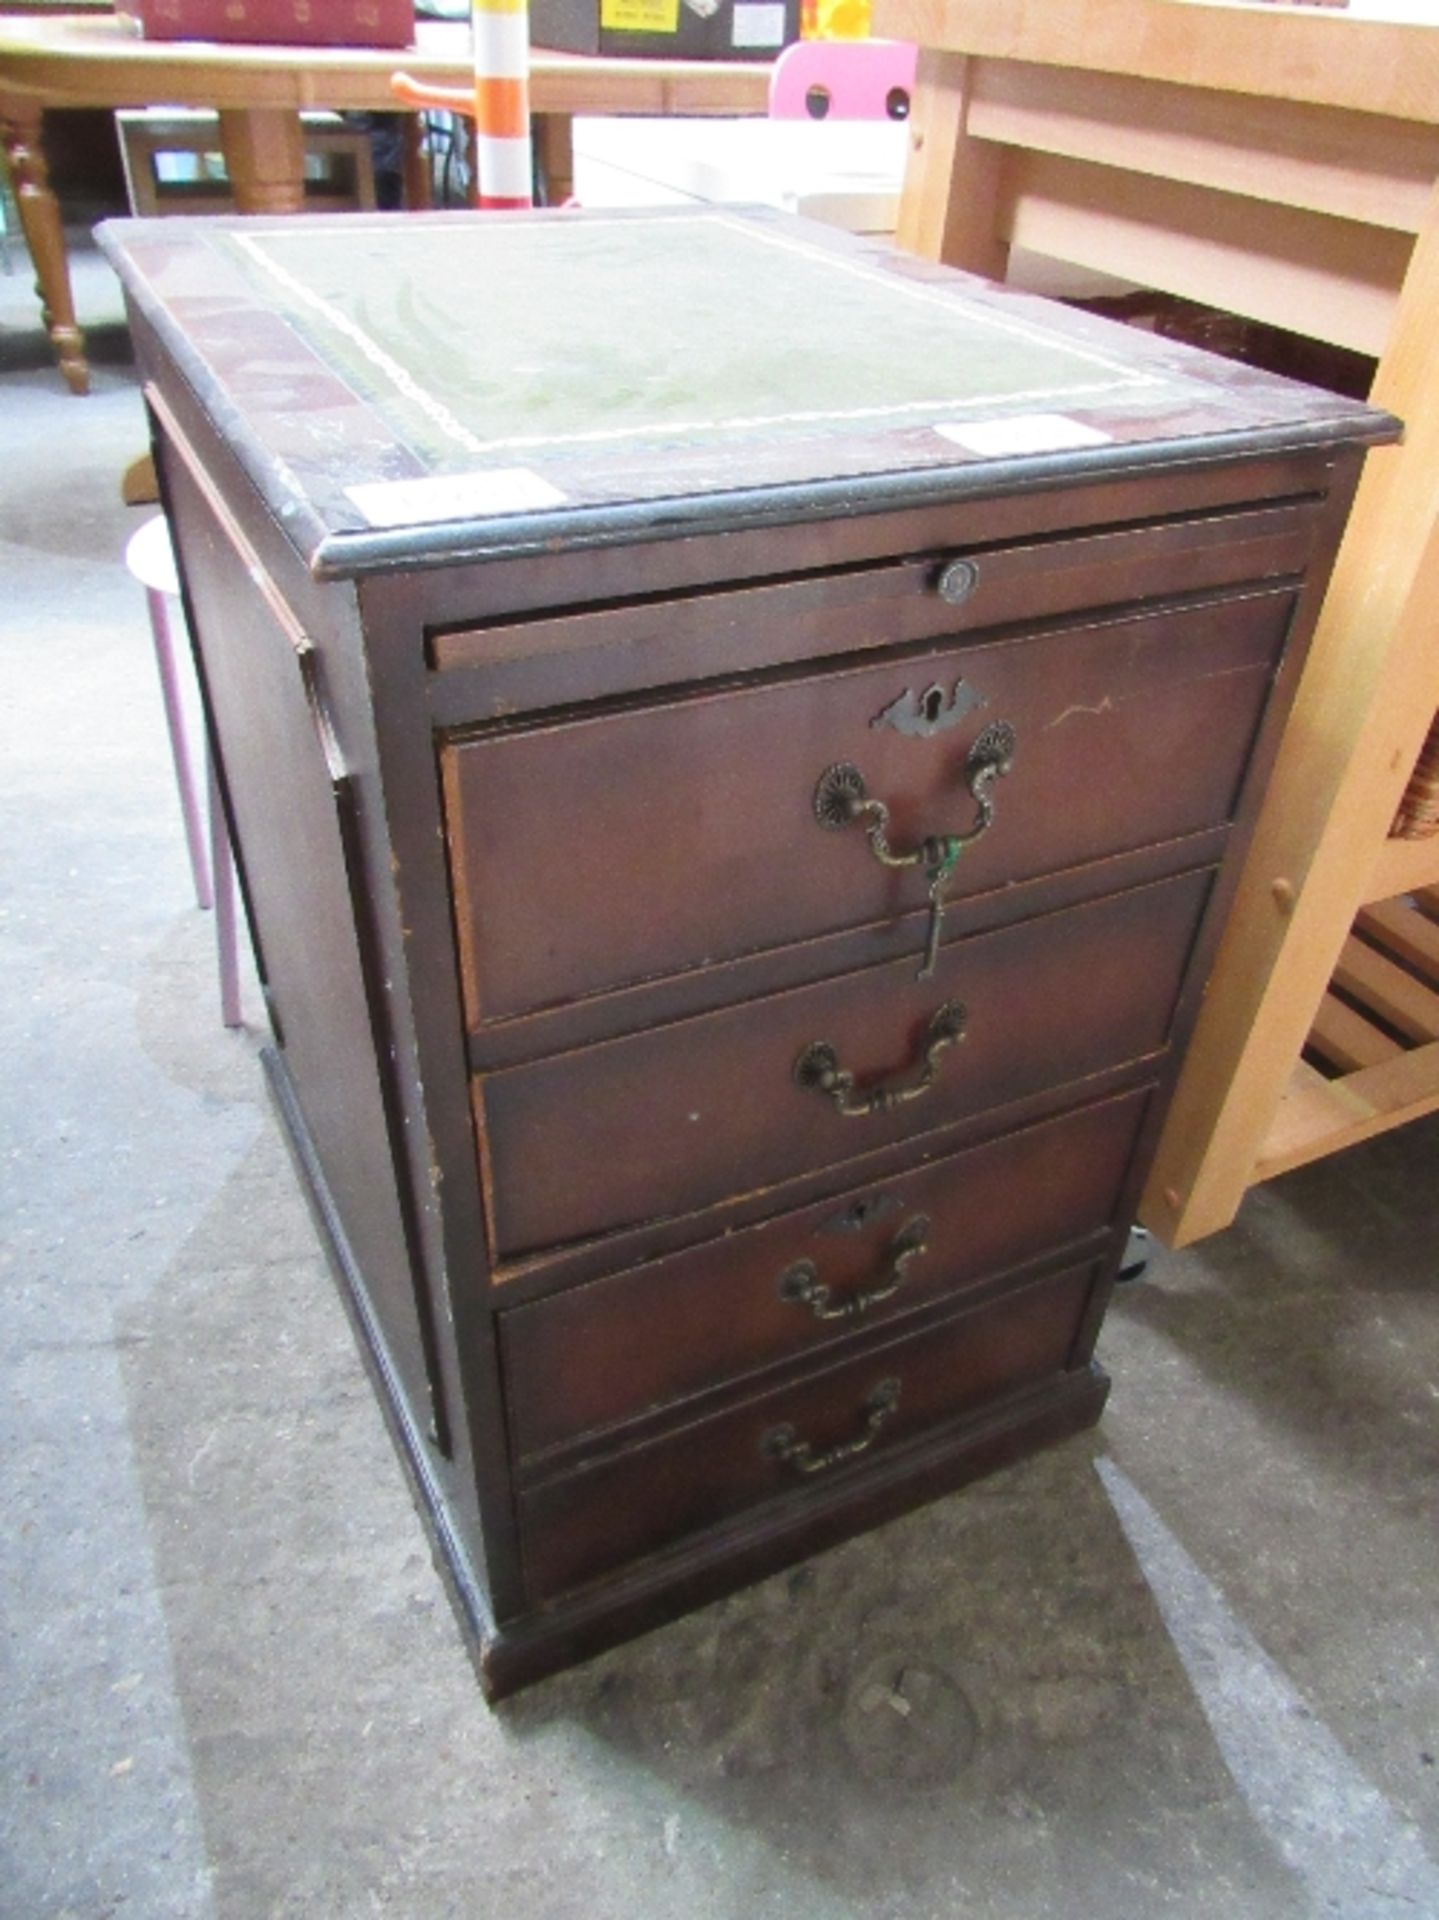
x=151, y=559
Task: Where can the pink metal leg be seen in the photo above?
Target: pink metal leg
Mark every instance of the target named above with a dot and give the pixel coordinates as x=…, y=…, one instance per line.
x=179, y=750
x=222, y=867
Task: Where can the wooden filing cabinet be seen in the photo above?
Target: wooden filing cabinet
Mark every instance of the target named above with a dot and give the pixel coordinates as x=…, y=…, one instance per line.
x=736, y=743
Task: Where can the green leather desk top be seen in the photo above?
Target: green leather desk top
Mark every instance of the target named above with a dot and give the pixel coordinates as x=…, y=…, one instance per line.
x=461, y=384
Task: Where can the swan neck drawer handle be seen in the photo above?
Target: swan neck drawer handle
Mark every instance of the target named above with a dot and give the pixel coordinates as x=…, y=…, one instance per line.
x=818, y=1067
x=842, y=798
x=801, y=1285
x=784, y=1444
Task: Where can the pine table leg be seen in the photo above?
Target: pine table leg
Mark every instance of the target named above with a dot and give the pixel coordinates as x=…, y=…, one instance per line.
x=1363, y=708
x=949, y=205
x=265, y=158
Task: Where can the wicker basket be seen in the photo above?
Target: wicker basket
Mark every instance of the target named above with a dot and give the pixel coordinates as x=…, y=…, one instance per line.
x=1418, y=814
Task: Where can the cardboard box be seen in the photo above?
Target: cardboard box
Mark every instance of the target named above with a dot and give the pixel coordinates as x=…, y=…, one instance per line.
x=294, y=23
x=669, y=29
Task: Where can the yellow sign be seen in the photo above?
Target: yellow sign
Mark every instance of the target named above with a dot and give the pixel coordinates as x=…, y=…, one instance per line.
x=640, y=16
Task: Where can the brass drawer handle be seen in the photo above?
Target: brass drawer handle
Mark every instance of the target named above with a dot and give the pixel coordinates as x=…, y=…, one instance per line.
x=801, y=1284
x=841, y=797
x=818, y=1067
x=784, y=1444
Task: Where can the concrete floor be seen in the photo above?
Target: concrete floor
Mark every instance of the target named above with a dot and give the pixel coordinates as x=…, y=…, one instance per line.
x=1185, y=1666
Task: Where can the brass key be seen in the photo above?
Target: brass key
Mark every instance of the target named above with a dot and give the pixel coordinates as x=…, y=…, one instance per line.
x=941, y=859
x=842, y=799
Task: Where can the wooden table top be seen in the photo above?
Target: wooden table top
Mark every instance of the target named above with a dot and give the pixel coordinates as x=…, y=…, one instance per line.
x=101, y=62
x=1327, y=56
x=452, y=385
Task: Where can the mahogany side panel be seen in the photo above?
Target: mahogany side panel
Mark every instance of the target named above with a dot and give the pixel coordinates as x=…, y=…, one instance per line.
x=286, y=801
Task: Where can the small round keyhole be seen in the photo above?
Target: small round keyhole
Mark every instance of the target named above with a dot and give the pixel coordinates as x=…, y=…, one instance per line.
x=933, y=704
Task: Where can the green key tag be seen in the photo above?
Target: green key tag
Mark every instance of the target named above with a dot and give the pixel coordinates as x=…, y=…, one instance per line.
x=938, y=869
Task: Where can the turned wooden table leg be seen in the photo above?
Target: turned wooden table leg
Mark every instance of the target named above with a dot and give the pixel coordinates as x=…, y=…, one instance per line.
x=44, y=236
x=265, y=158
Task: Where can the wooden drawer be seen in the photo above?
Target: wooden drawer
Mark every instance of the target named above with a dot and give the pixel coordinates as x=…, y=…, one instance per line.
x=600, y=1354
x=522, y=661
x=600, y=851
x=671, y=1120
x=613, y=1511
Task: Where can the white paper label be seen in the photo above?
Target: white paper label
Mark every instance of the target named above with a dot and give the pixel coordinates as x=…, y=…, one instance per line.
x=758, y=26
x=454, y=496
x=1022, y=433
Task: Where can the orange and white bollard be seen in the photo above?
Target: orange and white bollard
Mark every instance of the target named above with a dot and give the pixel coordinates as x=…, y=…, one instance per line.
x=499, y=104
x=502, y=103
